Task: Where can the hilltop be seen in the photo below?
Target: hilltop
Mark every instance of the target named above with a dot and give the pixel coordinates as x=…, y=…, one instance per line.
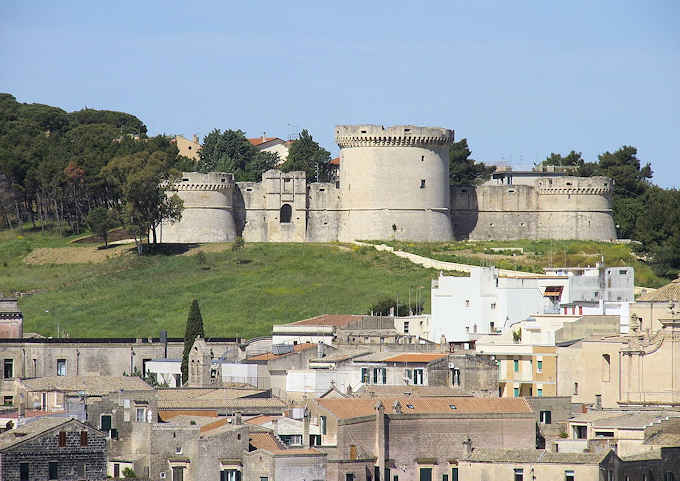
x=90, y=292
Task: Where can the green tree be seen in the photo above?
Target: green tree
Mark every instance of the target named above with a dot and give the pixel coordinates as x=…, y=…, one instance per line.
x=383, y=307
x=144, y=180
x=572, y=159
x=465, y=170
x=630, y=178
x=307, y=155
x=101, y=220
x=230, y=151
x=194, y=329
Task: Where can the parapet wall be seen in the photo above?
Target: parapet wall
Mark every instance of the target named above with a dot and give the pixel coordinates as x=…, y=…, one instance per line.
x=553, y=208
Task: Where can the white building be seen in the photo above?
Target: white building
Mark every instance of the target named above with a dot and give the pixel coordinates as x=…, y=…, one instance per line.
x=463, y=307
x=169, y=371
x=274, y=145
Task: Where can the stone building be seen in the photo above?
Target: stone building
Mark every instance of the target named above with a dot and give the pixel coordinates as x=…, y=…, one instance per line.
x=268, y=458
x=188, y=148
x=11, y=320
x=375, y=163
x=412, y=437
x=53, y=448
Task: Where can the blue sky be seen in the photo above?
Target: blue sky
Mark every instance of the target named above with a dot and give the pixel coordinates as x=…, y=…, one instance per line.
x=518, y=79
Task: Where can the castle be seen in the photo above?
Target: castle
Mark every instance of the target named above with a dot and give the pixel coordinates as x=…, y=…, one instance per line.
x=393, y=184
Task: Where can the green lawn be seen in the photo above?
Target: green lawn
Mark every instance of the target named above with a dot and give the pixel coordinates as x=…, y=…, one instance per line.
x=536, y=256
x=139, y=296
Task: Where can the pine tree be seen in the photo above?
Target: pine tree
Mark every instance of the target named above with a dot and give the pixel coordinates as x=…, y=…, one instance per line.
x=193, y=330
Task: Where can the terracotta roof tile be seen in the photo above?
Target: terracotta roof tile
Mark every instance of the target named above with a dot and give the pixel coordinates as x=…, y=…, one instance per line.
x=416, y=357
x=267, y=442
x=335, y=161
x=261, y=140
x=350, y=408
x=262, y=419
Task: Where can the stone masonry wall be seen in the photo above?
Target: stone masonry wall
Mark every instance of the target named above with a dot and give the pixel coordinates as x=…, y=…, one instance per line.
x=75, y=462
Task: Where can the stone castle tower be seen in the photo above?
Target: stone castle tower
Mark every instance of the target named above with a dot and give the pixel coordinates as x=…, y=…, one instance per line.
x=394, y=182
x=208, y=209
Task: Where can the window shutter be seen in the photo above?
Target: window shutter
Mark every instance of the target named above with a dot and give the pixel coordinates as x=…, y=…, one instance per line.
x=62, y=439
x=384, y=375
x=83, y=438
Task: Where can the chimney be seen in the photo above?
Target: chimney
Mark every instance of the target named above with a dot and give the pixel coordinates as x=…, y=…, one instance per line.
x=319, y=350
x=598, y=401
x=237, y=418
x=468, y=446
x=442, y=344
x=305, y=429
x=380, y=441
x=196, y=139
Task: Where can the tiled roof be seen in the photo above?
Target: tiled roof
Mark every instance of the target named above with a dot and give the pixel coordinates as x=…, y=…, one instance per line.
x=267, y=356
x=261, y=140
x=648, y=456
x=263, y=419
x=335, y=161
x=357, y=407
x=416, y=357
x=533, y=456
x=214, y=394
x=342, y=355
x=267, y=442
x=92, y=385
x=669, y=292
x=337, y=320
x=239, y=403
x=663, y=439
x=30, y=430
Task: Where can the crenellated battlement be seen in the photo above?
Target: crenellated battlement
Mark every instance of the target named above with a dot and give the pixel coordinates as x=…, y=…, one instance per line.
x=569, y=185
x=199, y=182
x=397, y=136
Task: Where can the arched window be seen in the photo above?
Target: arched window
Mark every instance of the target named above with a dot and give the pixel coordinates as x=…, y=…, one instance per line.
x=285, y=214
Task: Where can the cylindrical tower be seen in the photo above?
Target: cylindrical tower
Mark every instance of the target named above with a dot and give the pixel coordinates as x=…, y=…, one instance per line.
x=394, y=182
x=208, y=213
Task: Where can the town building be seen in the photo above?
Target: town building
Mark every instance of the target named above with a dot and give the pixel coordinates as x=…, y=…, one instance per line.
x=188, y=148
x=274, y=145
x=53, y=448
x=411, y=437
x=11, y=321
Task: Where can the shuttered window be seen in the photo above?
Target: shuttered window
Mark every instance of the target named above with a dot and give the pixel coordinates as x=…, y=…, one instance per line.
x=62, y=439
x=83, y=438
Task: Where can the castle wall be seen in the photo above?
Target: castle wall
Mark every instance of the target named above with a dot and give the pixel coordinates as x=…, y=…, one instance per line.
x=208, y=215
x=551, y=208
x=260, y=206
x=394, y=182
x=324, y=212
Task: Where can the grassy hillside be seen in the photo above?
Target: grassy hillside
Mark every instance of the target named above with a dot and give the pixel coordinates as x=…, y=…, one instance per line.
x=536, y=255
x=127, y=295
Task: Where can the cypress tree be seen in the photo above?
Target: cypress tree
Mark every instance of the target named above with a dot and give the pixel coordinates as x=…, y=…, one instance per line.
x=193, y=330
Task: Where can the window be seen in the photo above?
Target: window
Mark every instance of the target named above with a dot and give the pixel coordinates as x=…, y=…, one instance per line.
x=606, y=365
x=491, y=327
x=105, y=422
x=405, y=327
x=264, y=478
x=515, y=392
x=575, y=388
x=519, y=474
x=62, y=439
x=8, y=400
x=539, y=366
x=418, y=377
x=493, y=306
x=322, y=422
x=365, y=377
x=61, y=367
x=23, y=472
x=285, y=214
x=668, y=476
x=539, y=392
x=456, y=376
x=467, y=302
x=140, y=415
x=114, y=434
x=425, y=474
x=349, y=476
x=178, y=473
x=83, y=438
x=580, y=432
x=422, y=183
x=8, y=366
x=379, y=375
x=53, y=470
x=515, y=364
x=569, y=475
x=545, y=417
x=408, y=375
x=178, y=449
x=604, y=434
x=230, y=475
x=454, y=474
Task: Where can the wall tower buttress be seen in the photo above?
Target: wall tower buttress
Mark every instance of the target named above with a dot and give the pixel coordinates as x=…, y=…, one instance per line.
x=394, y=182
